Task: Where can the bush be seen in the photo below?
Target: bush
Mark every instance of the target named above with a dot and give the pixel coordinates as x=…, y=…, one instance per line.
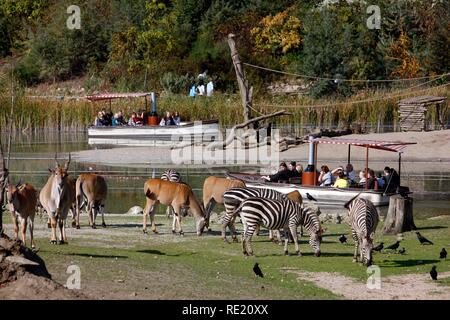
x=173, y=83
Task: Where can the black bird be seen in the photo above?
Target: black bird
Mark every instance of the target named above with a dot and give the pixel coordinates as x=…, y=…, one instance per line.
x=402, y=251
x=257, y=271
x=422, y=239
x=443, y=254
x=394, y=246
x=343, y=239
x=310, y=197
x=379, y=247
x=433, y=273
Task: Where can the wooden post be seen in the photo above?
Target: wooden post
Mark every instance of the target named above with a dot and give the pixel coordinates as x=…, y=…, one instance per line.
x=246, y=93
x=348, y=154
x=400, y=215
x=367, y=166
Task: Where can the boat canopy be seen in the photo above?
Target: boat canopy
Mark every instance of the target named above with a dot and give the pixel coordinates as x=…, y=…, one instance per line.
x=392, y=146
x=111, y=96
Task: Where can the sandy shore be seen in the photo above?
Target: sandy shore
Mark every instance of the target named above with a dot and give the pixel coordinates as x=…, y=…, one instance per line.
x=430, y=154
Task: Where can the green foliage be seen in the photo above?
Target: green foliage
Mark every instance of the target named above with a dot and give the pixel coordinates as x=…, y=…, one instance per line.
x=173, y=83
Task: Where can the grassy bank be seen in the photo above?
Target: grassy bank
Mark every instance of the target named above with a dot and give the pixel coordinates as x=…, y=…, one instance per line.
x=70, y=115
x=119, y=261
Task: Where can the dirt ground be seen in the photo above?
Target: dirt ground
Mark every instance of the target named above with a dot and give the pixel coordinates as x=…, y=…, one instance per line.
x=400, y=287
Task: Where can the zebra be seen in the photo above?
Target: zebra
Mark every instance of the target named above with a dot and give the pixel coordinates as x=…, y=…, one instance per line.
x=277, y=214
x=171, y=175
x=363, y=220
x=174, y=176
x=233, y=197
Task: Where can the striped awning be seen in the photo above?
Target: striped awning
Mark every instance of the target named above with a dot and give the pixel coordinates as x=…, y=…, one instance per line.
x=393, y=146
x=111, y=96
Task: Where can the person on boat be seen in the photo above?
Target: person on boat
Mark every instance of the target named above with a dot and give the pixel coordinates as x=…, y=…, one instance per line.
x=341, y=181
x=142, y=115
x=350, y=173
x=134, y=120
x=381, y=181
x=99, y=120
x=176, y=118
x=118, y=119
x=325, y=177
x=167, y=120
x=293, y=173
x=107, y=117
x=201, y=89
x=362, y=179
x=281, y=176
x=372, y=182
x=392, y=179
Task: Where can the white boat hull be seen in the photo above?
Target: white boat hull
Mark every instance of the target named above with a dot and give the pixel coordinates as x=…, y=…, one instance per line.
x=154, y=135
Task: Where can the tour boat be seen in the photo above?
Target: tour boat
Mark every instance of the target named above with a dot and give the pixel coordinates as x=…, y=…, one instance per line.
x=330, y=196
x=151, y=133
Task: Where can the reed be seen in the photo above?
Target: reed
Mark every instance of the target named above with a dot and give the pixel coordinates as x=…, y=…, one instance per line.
x=70, y=115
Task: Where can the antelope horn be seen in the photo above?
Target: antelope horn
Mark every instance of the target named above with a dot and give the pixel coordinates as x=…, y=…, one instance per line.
x=19, y=183
x=56, y=159
x=68, y=162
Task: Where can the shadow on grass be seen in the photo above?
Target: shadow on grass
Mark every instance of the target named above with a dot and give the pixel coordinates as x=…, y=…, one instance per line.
x=407, y=263
x=129, y=225
x=89, y=255
x=160, y=253
x=430, y=228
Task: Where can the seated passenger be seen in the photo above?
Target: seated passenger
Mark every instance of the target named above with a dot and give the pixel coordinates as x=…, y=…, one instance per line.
x=167, y=120
x=350, y=173
x=372, y=182
x=176, y=118
x=293, y=173
x=99, y=122
x=381, y=181
x=281, y=176
x=325, y=178
x=341, y=181
x=134, y=120
x=362, y=179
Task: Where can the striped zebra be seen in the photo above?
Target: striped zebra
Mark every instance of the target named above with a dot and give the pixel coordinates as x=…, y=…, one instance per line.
x=173, y=176
x=280, y=214
x=363, y=220
x=233, y=197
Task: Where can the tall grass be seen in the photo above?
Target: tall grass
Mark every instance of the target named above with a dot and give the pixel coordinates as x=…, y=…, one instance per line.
x=78, y=115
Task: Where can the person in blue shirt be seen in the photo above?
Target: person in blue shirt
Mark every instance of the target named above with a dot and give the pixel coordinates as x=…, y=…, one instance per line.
x=193, y=91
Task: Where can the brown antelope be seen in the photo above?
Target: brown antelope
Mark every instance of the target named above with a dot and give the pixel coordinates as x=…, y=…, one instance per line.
x=178, y=195
x=22, y=200
x=92, y=188
x=57, y=197
x=213, y=189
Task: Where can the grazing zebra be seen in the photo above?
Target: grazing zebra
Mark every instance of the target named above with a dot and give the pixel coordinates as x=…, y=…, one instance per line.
x=173, y=176
x=280, y=214
x=233, y=197
x=363, y=219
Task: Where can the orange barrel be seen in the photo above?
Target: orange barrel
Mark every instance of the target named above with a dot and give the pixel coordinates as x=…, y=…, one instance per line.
x=153, y=121
x=308, y=179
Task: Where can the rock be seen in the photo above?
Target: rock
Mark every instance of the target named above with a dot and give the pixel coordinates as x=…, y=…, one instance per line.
x=21, y=261
x=135, y=210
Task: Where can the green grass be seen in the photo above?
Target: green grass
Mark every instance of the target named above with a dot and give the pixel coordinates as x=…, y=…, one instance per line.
x=168, y=266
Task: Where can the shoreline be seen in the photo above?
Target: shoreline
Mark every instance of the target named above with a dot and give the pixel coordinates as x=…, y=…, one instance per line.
x=432, y=147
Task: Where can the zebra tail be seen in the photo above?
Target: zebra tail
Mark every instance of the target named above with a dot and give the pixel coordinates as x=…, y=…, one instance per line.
x=347, y=204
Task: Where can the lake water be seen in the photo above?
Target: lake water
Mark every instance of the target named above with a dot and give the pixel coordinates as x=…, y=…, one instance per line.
x=33, y=153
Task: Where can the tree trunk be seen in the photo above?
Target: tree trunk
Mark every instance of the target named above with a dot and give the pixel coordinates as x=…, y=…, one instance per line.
x=246, y=92
x=399, y=218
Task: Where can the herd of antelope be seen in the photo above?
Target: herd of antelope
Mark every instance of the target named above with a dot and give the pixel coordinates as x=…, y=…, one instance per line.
x=257, y=207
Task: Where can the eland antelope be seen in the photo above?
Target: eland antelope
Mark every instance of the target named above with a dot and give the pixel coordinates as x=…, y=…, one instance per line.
x=57, y=197
x=178, y=195
x=22, y=200
x=92, y=188
x=213, y=190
